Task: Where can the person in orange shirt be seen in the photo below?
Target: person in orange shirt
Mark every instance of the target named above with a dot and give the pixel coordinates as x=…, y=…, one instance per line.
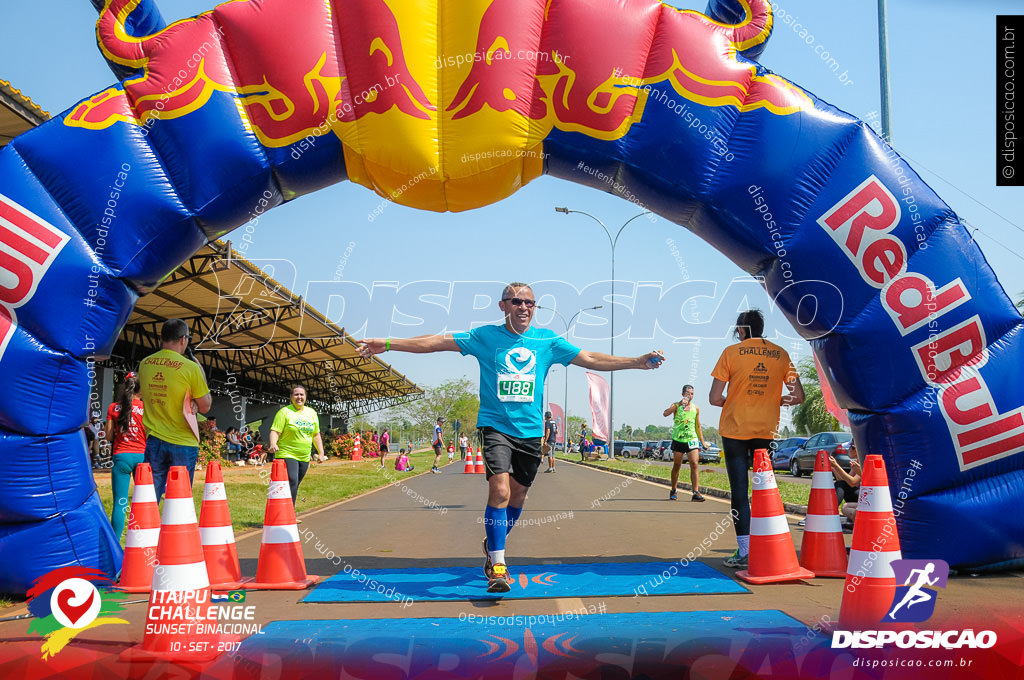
x=755, y=371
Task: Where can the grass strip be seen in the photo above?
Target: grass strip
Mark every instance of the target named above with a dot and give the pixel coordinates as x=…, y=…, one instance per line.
x=246, y=487
x=791, y=492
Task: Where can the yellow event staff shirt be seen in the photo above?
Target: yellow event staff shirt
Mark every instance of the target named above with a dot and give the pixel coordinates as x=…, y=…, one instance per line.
x=164, y=377
x=297, y=429
x=755, y=370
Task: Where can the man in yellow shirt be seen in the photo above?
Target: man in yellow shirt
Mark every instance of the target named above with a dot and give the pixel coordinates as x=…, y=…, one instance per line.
x=166, y=377
x=755, y=371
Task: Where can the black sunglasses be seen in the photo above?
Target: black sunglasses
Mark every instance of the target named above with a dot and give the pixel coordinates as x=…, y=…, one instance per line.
x=520, y=301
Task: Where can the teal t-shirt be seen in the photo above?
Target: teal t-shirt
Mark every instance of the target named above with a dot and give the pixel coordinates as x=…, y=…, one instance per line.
x=512, y=372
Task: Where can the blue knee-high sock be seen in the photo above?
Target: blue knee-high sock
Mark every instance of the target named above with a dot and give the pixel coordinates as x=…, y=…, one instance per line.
x=512, y=513
x=495, y=523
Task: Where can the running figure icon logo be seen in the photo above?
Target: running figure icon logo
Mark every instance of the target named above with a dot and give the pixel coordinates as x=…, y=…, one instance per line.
x=915, y=599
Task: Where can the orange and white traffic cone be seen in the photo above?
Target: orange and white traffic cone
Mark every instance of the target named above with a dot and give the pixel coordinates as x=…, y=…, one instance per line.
x=823, y=549
x=216, y=534
x=479, y=468
x=870, y=579
x=357, y=448
x=143, y=532
x=772, y=554
x=181, y=624
x=281, y=565
x=469, y=469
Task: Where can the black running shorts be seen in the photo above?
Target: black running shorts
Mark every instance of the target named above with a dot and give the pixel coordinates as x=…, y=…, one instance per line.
x=681, y=447
x=505, y=453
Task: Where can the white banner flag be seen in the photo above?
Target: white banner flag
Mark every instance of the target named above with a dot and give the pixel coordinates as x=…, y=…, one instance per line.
x=600, y=403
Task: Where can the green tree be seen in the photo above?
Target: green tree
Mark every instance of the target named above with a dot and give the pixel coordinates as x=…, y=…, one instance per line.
x=627, y=432
x=452, y=399
x=711, y=435
x=573, y=427
x=811, y=416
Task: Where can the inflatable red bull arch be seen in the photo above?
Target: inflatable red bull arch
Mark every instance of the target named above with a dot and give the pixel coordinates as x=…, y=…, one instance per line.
x=455, y=104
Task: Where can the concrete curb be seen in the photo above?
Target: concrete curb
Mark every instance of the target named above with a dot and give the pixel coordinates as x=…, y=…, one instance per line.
x=791, y=508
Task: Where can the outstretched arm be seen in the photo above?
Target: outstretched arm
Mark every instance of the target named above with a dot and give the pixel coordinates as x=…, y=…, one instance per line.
x=597, y=361
x=796, y=394
x=423, y=344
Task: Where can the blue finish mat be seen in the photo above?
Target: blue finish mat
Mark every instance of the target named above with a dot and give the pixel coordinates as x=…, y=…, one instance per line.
x=652, y=645
x=615, y=579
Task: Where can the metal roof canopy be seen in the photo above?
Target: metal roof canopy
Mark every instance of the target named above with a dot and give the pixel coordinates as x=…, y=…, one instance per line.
x=256, y=338
x=18, y=113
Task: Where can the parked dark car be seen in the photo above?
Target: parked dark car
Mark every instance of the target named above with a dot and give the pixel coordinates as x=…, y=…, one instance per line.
x=836, y=443
x=652, y=449
x=664, y=450
x=630, y=449
x=783, y=449
x=712, y=454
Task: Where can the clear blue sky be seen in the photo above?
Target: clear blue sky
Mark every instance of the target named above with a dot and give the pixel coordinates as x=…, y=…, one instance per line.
x=943, y=92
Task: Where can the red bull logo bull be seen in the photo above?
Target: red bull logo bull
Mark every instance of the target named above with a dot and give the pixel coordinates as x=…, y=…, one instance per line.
x=299, y=69
x=605, y=94
x=287, y=83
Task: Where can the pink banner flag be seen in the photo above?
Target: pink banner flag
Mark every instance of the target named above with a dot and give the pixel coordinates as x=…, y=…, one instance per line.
x=829, y=396
x=600, y=401
x=559, y=417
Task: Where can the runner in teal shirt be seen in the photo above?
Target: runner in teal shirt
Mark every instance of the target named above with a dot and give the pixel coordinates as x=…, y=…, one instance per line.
x=512, y=371
x=514, y=360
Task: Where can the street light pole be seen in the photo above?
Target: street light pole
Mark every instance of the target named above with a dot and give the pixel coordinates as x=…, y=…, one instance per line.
x=883, y=67
x=565, y=403
x=611, y=378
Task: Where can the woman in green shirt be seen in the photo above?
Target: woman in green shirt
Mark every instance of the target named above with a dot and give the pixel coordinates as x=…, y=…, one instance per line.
x=686, y=432
x=295, y=429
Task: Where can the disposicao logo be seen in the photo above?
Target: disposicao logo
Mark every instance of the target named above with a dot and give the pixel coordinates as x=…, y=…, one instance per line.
x=915, y=599
x=914, y=602
x=69, y=600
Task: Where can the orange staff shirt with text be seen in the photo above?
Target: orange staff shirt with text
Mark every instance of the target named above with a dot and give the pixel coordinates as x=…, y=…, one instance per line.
x=755, y=370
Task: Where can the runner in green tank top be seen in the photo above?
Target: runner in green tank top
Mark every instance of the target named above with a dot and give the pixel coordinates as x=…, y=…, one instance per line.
x=686, y=433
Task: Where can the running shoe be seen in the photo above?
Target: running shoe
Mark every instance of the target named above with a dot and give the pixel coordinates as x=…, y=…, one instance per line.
x=488, y=567
x=672, y=495
x=735, y=560
x=550, y=470
x=500, y=581
x=697, y=498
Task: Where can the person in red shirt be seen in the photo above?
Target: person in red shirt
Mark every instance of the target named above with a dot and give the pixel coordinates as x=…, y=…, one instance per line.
x=128, y=436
